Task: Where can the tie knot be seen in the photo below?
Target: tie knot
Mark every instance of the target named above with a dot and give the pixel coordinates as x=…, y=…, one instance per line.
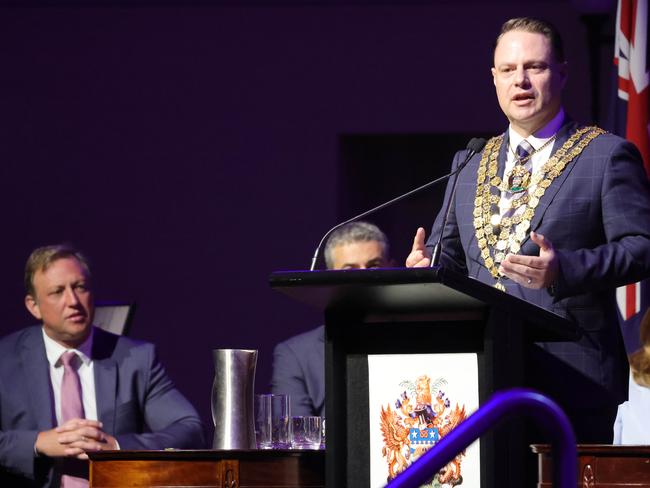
x=69, y=359
x=524, y=149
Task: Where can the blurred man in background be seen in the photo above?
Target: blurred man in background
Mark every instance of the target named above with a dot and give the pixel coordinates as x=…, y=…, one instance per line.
x=299, y=362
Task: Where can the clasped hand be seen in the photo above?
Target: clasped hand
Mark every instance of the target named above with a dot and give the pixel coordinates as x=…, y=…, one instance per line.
x=74, y=438
x=529, y=271
x=533, y=271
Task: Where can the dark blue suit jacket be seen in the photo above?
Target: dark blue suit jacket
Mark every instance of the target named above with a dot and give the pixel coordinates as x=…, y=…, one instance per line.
x=597, y=215
x=299, y=370
x=136, y=401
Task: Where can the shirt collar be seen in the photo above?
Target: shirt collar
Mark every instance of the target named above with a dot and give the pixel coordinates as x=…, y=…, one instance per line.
x=541, y=136
x=53, y=349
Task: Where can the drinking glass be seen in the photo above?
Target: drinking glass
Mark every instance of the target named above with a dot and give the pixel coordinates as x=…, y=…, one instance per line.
x=272, y=421
x=306, y=432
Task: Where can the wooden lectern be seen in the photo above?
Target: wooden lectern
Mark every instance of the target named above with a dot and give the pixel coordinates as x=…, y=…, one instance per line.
x=368, y=311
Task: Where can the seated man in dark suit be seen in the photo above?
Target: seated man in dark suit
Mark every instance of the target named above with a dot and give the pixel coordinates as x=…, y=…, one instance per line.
x=299, y=362
x=68, y=388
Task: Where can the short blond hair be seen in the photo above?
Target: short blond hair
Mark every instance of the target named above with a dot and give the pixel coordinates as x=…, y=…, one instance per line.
x=535, y=26
x=640, y=359
x=42, y=258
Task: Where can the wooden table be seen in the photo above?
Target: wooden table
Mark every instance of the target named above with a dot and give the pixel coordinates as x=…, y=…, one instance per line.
x=207, y=469
x=601, y=466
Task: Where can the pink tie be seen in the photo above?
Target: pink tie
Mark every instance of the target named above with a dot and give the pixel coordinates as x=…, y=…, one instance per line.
x=71, y=406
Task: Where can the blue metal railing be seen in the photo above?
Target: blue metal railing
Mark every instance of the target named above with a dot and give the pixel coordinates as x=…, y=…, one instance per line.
x=548, y=415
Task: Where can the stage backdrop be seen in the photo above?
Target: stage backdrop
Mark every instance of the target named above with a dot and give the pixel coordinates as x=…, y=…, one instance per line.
x=191, y=149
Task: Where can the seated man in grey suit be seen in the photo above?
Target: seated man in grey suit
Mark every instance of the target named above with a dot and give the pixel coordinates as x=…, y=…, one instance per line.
x=299, y=362
x=68, y=388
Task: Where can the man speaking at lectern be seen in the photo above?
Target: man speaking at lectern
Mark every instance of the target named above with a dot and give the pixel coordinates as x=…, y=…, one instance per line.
x=556, y=213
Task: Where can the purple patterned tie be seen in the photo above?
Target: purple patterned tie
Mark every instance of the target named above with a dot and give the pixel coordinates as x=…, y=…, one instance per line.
x=524, y=149
x=71, y=406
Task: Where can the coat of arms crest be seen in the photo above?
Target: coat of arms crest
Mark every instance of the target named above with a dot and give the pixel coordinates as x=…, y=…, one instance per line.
x=422, y=415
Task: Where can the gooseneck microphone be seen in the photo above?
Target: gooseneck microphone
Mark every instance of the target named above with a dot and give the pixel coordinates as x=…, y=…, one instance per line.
x=474, y=146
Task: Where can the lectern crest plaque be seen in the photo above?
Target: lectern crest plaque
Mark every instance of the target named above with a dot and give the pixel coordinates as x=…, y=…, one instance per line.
x=415, y=401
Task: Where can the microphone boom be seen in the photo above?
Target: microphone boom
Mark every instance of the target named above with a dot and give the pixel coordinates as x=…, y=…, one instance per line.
x=475, y=145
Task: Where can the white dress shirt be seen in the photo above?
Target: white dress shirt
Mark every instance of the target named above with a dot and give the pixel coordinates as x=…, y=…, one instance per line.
x=632, y=424
x=538, y=159
x=54, y=350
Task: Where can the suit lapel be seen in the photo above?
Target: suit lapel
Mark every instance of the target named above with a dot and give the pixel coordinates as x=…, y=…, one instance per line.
x=503, y=155
x=546, y=200
x=105, y=371
x=501, y=163
x=36, y=377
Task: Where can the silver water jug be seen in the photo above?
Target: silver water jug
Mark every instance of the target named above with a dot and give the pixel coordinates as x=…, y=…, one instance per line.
x=232, y=398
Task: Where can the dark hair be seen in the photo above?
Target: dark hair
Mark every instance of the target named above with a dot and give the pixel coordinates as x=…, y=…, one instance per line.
x=41, y=258
x=535, y=26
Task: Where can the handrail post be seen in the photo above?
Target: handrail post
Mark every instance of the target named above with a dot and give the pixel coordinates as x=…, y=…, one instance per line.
x=548, y=415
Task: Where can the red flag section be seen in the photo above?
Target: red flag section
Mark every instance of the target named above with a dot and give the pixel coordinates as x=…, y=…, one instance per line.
x=630, y=58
